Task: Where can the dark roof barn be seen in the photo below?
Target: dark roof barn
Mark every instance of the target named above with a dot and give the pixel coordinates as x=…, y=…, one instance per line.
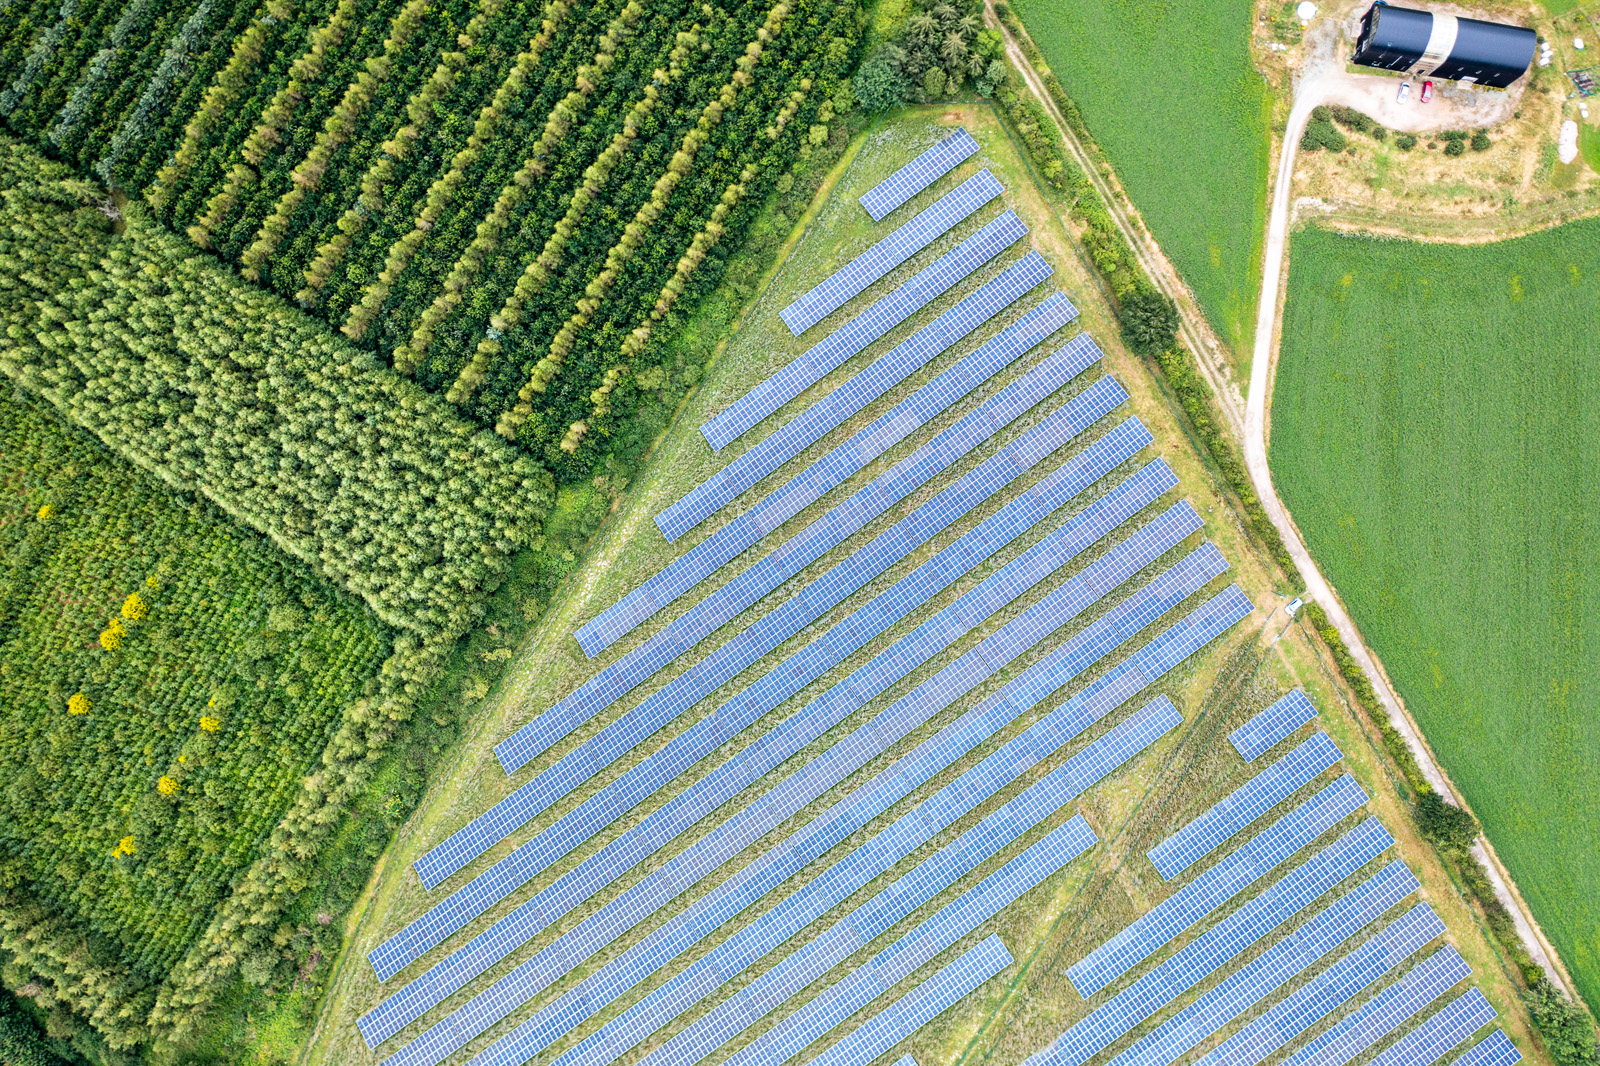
x=1437, y=45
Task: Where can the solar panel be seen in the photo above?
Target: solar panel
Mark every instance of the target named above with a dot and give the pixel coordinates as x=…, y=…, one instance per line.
x=1313, y=1001
x=741, y=889
x=1496, y=1049
x=916, y=1008
x=1222, y=882
x=810, y=367
x=1434, y=1038
x=934, y=874
x=1263, y=731
x=1216, y=947
x=918, y=174
x=1379, y=1016
x=905, y=242
x=905, y=418
x=1244, y=805
x=715, y=729
x=1246, y=987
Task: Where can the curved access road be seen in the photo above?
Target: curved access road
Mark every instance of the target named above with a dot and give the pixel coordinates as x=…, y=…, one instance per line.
x=1325, y=83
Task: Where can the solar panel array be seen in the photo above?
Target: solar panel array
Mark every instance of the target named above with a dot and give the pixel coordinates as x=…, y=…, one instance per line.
x=1216, y=946
x=933, y=875
x=922, y=230
x=888, y=548
x=888, y=370
x=916, y=1008
x=766, y=929
x=1433, y=1039
x=1262, y=732
x=1244, y=805
x=1380, y=1015
x=970, y=610
x=905, y=418
x=1313, y=1001
x=818, y=1016
x=847, y=816
x=1496, y=1049
x=1247, y=986
x=1232, y=875
x=929, y=283
x=918, y=174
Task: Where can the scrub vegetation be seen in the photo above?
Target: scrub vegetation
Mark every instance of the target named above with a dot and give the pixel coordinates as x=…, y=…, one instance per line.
x=1433, y=433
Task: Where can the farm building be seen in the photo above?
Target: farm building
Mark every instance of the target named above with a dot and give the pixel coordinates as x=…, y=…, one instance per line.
x=1436, y=45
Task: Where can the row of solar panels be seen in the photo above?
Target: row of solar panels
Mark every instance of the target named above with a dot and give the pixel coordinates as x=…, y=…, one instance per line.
x=1248, y=803
x=918, y=174
x=1247, y=987
x=940, y=870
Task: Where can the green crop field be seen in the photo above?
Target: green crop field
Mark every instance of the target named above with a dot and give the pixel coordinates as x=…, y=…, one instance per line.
x=1172, y=96
x=1436, y=432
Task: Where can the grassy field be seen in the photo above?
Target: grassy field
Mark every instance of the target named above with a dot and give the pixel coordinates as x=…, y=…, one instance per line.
x=1435, y=434
x=1057, y=921
x=1171, y=94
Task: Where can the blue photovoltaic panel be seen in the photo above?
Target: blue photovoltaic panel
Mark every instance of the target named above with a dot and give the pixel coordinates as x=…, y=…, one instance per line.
x=1434, y=1038
x=1273, y=724
x=1328, y=991
x=806, y=370
x=847, y=816
x=1247, y=803
x=1242, y=868
x=918, y=174
x=726, y=662
x=950, y=624
x=805, y=1025
x=1246, y=987
x=1496, y=1049
x=916, y=1008
x=905, y=242
x=898, y=423
x=933, y=875
x=661, y=768
x=1378, y=1017
x=1216, y=947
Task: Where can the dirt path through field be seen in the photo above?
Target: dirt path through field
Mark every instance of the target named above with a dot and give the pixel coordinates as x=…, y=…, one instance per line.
x=1323, y=80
